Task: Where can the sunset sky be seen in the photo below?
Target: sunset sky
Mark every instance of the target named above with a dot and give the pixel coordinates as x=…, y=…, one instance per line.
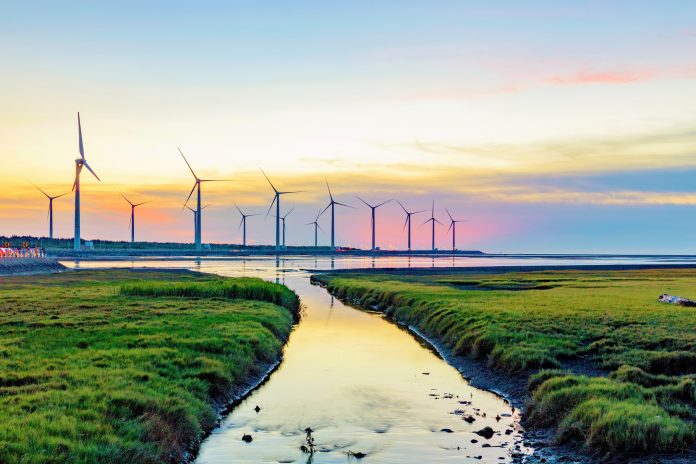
x=548, y=126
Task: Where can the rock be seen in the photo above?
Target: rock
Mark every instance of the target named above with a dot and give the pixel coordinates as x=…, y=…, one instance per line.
x=447, y=430
x=473, y=440
x=257, y=408
x=508, y=431
x=677, y=300
x=485, y=432
x=497, y=418
x=308, y=430
x=247, y=438
x=358, y=455
x=470, y=419
x=485, y=445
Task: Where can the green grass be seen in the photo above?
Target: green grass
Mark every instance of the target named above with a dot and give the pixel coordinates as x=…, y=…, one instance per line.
x=535, y=323
x=125, y=366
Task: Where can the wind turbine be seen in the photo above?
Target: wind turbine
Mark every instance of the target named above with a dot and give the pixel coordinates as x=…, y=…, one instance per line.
x=197, y=185
x=408, y=221
x=132, y=216
x=242, y=223
x=283, y=219
x=433, y=220
x=50, y=209
x=317, y=227
x=79, y=164
x=332, y=204
x=453, y=226
x=372, y=221
x=276, y=200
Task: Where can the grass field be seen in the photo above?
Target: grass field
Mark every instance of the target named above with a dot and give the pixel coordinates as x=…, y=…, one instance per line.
x=535, y=323
x=126, y=366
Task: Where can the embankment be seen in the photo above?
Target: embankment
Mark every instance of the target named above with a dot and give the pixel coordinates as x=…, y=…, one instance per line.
x=29, y=266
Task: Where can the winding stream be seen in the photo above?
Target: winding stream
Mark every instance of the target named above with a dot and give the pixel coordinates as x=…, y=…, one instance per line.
x=361, y=383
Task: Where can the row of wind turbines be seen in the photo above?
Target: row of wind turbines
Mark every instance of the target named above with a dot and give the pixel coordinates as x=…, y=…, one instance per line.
x=280, y=228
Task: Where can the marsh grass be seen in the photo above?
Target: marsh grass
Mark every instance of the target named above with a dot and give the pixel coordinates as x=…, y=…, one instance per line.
x=115, y=367
x=535, y=322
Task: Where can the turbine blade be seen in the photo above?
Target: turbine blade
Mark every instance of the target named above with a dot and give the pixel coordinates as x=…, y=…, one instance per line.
x=129, y=222
x=318, y=226
x=90, y=170
x=288, y=213
x=269, y=181
x=216, y=180
x=240, y=211
x=187, y=163
x=143, y=203
x=77, y=174
x=438, y=222
x=450, y=227
x=383, y=203
x=405, y=223
x=124, y=197
x=240, y=223
x=204, y=207
x=448, y=213
x=58, y=196
x=275, y=197
x=191, y=193
x=79, y=130
x=294, y=191
x=328, y=188
x=402, y=206
x=46, y=194
x=419, y=211
x=324, y=210
x=343, y=204
x=369, y=205
x=426, y=222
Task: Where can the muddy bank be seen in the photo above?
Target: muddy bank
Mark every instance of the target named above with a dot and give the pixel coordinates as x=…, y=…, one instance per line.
x=225, y=404
x=29, y=266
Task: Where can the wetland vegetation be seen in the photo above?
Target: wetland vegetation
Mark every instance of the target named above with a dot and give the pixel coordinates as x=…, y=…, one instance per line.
x=608, y=366
x=127, y=366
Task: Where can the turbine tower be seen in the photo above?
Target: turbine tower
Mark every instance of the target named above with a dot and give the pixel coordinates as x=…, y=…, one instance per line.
x=433, y=220
x=283, y=219
x=317, y=227
x=79, y=164
x=195, y=219
x=242, y=223
x=408, y=221
x=197, y=185
x=453, y=226
x=372, y=218
x=332, y=204
x=50, y=209
x=132, y=215
x=276, y=200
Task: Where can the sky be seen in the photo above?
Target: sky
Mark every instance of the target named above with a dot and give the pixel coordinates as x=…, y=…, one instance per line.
x=548, y=127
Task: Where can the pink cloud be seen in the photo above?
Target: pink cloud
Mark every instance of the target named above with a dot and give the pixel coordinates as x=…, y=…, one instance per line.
x=604, y=77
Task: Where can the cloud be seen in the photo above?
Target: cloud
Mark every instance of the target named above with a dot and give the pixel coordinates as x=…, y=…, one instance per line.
x=674, y=147
x=604, y=77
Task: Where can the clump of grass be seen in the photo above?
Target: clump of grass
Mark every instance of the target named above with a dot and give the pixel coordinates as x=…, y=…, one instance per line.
x=610, y=318
x=609, y=425
x=89, y=373
x=240, y=288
